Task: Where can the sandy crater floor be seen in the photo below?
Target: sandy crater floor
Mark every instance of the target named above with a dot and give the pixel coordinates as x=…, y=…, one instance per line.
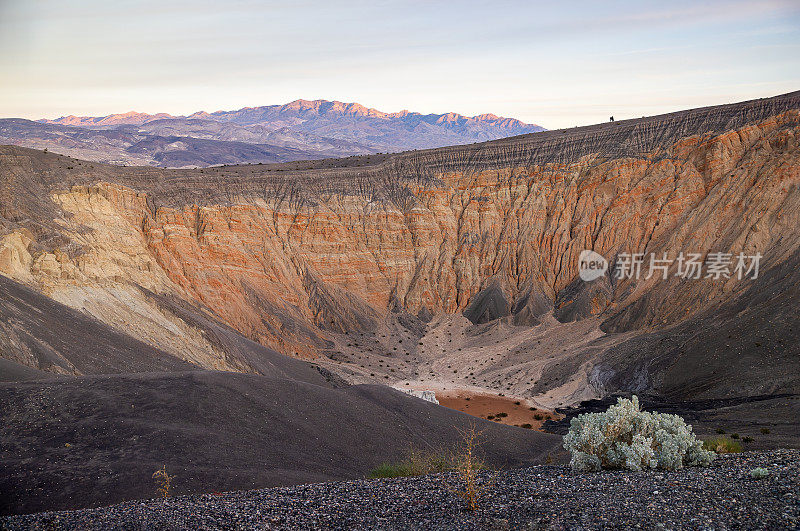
x=545, y=366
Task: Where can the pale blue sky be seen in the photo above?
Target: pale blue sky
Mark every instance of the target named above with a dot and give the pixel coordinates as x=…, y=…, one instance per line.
x=557, y=64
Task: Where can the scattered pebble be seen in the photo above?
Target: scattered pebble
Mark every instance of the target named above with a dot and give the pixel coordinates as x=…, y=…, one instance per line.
x=723, y=496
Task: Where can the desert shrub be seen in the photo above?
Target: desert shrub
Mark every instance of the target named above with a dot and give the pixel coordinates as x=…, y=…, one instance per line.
x=626, y=437
x=735, y=436
x=759, y=473
x=527, y=426
x=538, y=416
x=722, y=445
x=765, y=431
x=747, y=439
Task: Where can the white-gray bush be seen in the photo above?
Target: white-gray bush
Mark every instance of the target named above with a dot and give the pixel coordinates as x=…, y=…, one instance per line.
x=626, y=437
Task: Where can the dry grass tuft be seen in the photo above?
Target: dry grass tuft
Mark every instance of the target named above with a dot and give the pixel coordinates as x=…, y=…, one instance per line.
x=467, y=480
x=164, y=481
x=722, y=445
x=467, y=466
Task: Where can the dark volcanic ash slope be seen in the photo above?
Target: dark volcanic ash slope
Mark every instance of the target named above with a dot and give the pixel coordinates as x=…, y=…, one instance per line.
x=38, y=332
x=81, y=441
x=90, y=441
x=717, y=353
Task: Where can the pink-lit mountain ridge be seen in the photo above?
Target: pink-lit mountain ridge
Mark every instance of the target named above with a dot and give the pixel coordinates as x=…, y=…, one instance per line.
x=300, y=130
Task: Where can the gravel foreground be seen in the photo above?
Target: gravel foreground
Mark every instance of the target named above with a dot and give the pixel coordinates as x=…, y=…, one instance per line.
x=723, y=496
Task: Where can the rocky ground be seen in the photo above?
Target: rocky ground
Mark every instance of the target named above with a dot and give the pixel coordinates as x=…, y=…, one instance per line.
x=723, y=496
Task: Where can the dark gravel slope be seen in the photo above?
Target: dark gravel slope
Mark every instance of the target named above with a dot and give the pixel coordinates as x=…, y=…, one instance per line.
x=11, y=372
x=723, y=496
x=39, y=332
x=96, y=440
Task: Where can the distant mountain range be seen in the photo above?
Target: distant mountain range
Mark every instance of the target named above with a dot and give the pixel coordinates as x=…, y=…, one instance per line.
x=300, y=130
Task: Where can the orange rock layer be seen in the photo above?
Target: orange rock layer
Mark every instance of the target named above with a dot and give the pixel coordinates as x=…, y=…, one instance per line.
x=253, y=262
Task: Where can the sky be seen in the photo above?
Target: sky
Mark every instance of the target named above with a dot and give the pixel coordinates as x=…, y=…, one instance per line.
x=557, y=64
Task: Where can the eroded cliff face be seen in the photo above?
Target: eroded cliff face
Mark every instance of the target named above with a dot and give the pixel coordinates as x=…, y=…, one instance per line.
x=294, y=260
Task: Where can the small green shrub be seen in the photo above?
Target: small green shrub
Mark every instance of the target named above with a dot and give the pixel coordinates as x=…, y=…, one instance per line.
x=389, y=470
x=626, y=437
x=720, y=431
x=747, y=439
x=759, y=473
x=722, y=445
x=415, y=463
x=765, y=431
x=735, y=436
